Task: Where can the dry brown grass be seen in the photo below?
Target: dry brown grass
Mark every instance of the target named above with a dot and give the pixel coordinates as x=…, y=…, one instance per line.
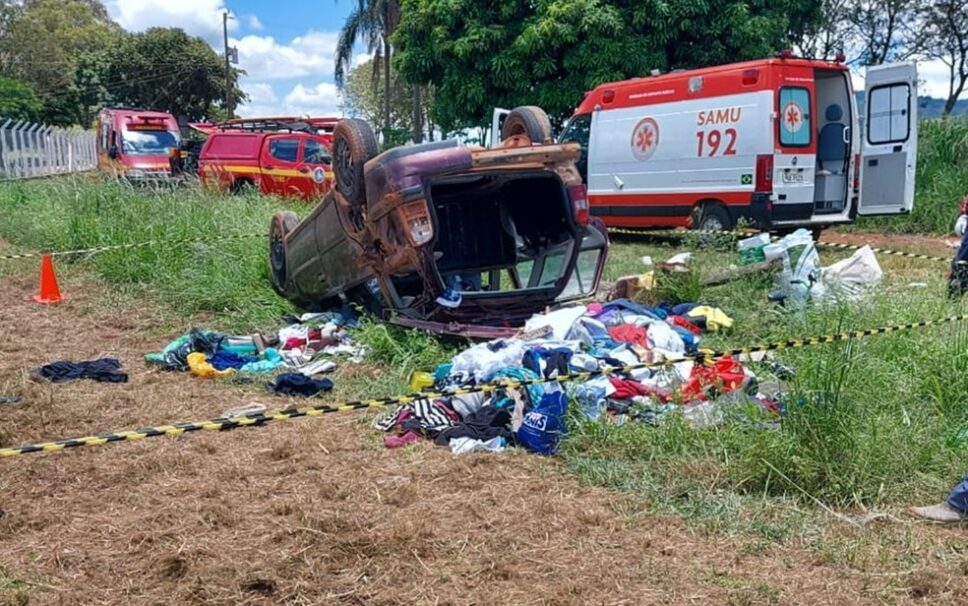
x=317, y=512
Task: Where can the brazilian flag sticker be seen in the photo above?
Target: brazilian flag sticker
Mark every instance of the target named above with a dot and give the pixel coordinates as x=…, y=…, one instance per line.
x=746, y=180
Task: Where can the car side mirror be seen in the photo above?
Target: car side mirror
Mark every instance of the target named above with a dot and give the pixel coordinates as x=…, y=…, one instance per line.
x=113, y=152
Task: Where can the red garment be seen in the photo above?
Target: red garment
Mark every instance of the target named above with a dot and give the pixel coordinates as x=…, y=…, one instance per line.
x=725, y=375
x=293, y=343
x=629, y=333
x=684, y=323
x=628, y=388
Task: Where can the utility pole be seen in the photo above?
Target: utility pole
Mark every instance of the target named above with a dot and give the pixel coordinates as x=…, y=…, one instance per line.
x=228, y=70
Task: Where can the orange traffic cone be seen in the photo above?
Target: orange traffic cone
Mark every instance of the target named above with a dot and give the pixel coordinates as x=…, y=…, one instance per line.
x=49, y=291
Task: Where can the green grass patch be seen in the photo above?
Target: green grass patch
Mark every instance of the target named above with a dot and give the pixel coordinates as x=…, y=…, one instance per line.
x=227, y=279
x=877, y=422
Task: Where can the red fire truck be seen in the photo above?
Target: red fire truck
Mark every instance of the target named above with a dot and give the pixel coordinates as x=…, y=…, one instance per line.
x=135, y=144
x=285, y=156
x=778, y=142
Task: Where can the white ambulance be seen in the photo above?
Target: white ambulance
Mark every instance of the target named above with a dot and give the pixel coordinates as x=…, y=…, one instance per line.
x=777, y=142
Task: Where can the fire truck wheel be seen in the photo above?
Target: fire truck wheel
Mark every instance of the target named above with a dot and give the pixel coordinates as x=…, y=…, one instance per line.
x=714, y=218
x=527, y=120
x=353, y=145
x=282, y=223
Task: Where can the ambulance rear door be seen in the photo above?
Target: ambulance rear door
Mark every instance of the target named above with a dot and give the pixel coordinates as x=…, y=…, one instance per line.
x=889, y=140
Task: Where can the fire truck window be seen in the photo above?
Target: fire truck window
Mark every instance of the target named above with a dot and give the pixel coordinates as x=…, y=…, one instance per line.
x=889, y=115
x=578, y=130
x=284, y=150
x=315, y=153
x=147, y=142
x=794, y=120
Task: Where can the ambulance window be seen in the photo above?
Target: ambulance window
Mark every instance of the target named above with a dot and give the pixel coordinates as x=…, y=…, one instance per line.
x=284, y=149
x=888, y=114
x=578, y=131
x=315, y=153
x=794, y=120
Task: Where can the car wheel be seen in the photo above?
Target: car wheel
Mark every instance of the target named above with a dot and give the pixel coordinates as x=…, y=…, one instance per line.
x=282, y=223
x=353, y=145
x=527, y=120
x=714, y=218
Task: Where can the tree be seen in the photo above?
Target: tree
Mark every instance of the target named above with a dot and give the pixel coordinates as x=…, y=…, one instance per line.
x=829, y=33
x=548, y=52
x=884, y=30
x=166, y=69
x=43, y=42
x=362, y=97
x=18, y=101
x=945, y=37
x=373, y=22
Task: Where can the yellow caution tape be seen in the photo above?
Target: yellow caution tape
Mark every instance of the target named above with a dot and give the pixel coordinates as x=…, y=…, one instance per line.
x=258, y=419
x=99, y=249
x=683, y=233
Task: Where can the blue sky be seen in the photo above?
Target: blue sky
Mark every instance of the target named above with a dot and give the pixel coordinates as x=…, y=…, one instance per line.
x=288, y=46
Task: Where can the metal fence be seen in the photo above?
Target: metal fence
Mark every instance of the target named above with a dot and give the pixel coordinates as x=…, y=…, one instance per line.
x=28, y=149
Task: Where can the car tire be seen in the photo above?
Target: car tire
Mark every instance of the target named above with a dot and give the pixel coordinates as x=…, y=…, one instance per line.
x=354, y=144
x=527, y=120
x=282, y=223
x=714, y=217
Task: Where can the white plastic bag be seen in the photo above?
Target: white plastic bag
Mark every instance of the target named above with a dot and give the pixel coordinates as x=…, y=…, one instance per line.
x=800, y=278
x=850, y=278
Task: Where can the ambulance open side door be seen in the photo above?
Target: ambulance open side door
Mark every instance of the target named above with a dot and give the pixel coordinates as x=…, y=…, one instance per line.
x=497, y=121
x=889, y=140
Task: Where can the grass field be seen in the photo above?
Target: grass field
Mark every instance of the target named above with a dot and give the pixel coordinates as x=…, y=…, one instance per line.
x=880, y=422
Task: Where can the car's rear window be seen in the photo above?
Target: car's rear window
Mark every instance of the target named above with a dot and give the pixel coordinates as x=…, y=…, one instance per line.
x=234, y=146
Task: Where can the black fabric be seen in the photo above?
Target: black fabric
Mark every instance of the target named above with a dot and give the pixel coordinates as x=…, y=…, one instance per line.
x=105, y=370
x=486, y=423
x=297, y=384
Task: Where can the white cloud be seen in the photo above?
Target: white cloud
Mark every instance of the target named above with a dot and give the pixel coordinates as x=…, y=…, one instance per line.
x=263, y=58
x=933, y=77
x=254, y=23
x=201, y=18
x=320, y=100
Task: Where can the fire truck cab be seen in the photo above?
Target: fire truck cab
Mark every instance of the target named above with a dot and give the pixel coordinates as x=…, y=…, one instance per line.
x=285, y=156
x=135, y=144
x=778, y=142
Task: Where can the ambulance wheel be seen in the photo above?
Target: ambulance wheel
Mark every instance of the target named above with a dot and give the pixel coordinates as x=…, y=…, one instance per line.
x=354, y=144
x=282, y=223
x=527, y=120
x=714, y=218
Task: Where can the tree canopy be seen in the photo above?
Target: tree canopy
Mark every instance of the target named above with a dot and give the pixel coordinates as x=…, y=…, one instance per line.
x=363, y=97
x=18, y=101
x=549, y=52
x=77, y=60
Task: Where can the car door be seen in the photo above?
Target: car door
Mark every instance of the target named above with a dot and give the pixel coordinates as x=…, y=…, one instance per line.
x=315, y=168
x=889, y=140
x=280, y=163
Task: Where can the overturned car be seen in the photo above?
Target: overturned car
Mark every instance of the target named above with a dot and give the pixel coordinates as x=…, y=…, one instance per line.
x=441, y=236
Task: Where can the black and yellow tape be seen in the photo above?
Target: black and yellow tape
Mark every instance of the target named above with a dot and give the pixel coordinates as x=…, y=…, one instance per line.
x=740, y=234
x=147, y=243
x=253, y=420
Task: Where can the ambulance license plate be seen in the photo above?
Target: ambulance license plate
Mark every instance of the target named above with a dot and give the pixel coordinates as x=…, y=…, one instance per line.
x=792, y=177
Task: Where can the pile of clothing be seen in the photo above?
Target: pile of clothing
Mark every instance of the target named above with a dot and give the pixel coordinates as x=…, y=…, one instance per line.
x=306, y=345
x=618, y=334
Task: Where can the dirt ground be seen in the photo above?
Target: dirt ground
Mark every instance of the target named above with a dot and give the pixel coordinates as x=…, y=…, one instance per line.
x=915, y=243
x=315, y=511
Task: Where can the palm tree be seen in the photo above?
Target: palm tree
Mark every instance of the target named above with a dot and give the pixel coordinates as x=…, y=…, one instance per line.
x=372, y=22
